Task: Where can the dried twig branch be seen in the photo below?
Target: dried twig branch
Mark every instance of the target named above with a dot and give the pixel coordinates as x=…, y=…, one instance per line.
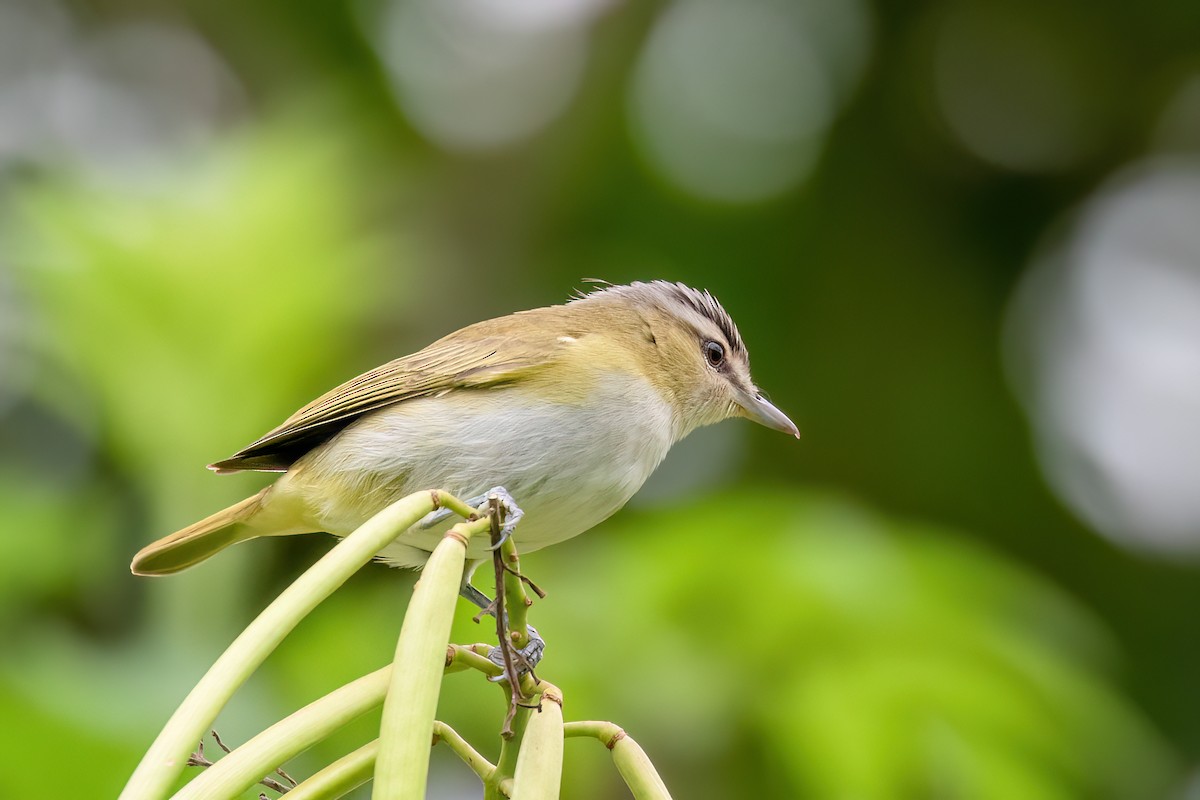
x=496, y=512
x=533, y=586
x=198, y=759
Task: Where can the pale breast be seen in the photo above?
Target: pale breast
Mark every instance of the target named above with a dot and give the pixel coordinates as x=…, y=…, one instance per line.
x=569, y=466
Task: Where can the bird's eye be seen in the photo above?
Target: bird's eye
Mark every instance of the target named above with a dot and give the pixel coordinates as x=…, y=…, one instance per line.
x=714, y=352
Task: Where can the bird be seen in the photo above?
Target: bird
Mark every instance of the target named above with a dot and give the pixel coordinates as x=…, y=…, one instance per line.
x=566, y=409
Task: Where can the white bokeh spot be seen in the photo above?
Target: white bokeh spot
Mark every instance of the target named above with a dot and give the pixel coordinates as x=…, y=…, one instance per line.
x=732, y=101
x=1109, y=326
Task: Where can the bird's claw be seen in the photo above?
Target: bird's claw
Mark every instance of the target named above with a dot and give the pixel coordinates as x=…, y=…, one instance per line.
x=439, y=515
x=529, y=655
x=512, y=514
x=433, y=518
x=505, y=532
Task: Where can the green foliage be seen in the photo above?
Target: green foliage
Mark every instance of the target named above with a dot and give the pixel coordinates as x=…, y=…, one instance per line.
x=826, y=653
x=756, y=644
x=34, y=740
x=800, y=641
x=233, y=280
x=148, y=295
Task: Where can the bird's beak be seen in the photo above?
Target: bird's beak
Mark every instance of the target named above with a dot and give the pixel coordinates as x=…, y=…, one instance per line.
x=759, y=409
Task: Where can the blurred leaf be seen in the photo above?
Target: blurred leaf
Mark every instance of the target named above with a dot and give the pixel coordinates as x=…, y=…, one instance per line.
x=47, y=756
x=54, y=542
x=872, y=660
x=188, y=308
x=202, y=300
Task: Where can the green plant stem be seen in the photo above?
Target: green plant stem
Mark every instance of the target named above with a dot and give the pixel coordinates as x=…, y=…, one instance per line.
x=517, y=601
x=165, y=759
x=354, y=769
x=538, y=775
x=401, y=770
x=245, y=766
x=339, y=778
x=470, y=756
x=632, y=762
x=444, y=499
x=472, y=657
x=285, y=739
x=495, y=788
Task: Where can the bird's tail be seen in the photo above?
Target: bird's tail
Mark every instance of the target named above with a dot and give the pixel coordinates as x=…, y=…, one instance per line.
x=199, y=540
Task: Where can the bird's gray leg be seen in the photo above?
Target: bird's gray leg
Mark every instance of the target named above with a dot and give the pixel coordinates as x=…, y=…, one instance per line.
x=531, y=653
x=475, y=596
x=467, y=590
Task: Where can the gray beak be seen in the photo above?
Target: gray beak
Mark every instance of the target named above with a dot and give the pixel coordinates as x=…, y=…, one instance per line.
x=759, y=409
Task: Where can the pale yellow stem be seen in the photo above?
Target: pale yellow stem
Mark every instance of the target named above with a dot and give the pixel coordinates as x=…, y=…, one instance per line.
x=245, y=766
x=632, y=762
x=339, y=778
x=402, y=767
x=470, y=756
x=539, y=765
x=165, y=759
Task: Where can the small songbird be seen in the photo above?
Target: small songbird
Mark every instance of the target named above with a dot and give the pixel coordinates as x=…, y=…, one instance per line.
x=569, y=408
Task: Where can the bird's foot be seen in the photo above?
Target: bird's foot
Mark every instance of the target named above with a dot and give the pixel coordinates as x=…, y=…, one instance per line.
x=511, y=516
x=512, y=512
x=525, y=659
x=438, y=516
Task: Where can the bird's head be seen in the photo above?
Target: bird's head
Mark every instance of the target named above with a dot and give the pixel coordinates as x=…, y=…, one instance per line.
x=690, y=349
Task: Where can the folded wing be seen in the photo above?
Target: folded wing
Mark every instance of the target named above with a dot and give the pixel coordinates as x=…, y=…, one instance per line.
x=487, y=354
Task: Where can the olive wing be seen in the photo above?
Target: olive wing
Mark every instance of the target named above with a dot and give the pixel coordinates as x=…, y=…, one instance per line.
x=454, y=363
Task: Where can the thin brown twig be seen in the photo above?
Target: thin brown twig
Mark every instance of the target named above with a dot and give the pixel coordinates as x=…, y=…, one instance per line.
x=483, y=612
x=505, y=644
x=536, y=589
x=198, y=759
x=278, y=771
x=217, y=738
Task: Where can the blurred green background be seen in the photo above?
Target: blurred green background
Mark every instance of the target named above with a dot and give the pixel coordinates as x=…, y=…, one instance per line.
x=960, y=239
